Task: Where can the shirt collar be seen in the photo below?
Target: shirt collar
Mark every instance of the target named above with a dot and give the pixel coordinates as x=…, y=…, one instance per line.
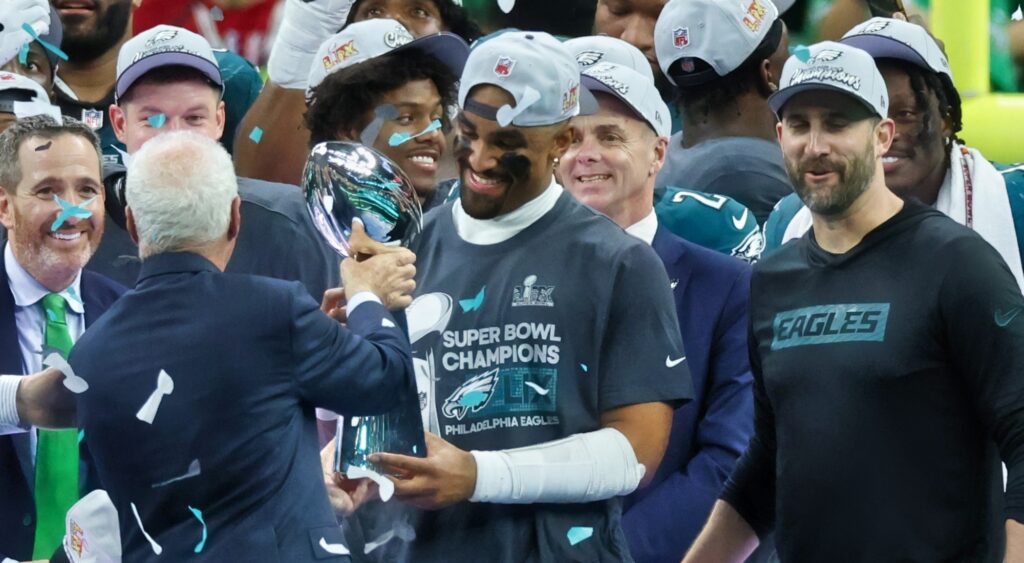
x=28, y=291
x=645, y=228
x=504, y=227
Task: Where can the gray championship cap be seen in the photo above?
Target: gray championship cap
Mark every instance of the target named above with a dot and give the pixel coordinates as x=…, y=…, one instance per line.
x=362, y=41
x=836, y=67
x=18, y=88
x=711, y=38
x=886, y=38
x=93, y=535
x=164, y=45
x=536, y=69
x=593, y=49
x=635, y=90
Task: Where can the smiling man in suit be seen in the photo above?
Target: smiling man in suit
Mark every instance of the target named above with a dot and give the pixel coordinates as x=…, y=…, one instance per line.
x=51, y=204
x=611, y=166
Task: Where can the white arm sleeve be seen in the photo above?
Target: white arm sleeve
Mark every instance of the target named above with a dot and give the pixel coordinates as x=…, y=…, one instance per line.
x=580, y=468
x=10, y=423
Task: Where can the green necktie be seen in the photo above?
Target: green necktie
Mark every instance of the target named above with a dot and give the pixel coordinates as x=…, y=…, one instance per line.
x=57, y=451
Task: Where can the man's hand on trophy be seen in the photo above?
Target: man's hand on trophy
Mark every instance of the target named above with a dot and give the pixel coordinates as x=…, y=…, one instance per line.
x=346, y=495
x=386, y=272
x=446, y=476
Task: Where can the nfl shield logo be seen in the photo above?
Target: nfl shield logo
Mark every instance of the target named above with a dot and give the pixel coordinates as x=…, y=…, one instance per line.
x=681, y=37
x=686, y=64
x=504, y=66
x=93, y=118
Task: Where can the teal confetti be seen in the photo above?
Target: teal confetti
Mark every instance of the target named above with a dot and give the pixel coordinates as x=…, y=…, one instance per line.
x=23, y=55
x=801, y=52
x=73, y=294
x=46, y=45
x=474, y=303
x=217, y=14
x=51, y=315
x=199, y=515
x=577, y=534
x=257, y=135
x=399, y=138
x=68, y=210
x=81, y=436
x=158, y=120
x=584, y=368
x=414, y=449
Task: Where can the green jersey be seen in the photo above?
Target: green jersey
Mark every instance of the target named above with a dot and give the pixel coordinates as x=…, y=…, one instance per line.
x=711, y=220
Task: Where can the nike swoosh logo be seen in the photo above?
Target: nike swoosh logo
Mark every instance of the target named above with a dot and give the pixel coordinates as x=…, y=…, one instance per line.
x=670, y=363
x=540, y=390
x=333, y=548
x=738, y=222
x=1003, y=319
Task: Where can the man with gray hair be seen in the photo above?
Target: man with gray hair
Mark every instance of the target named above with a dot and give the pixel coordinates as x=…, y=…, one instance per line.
x=213, y=378
x=51, y=204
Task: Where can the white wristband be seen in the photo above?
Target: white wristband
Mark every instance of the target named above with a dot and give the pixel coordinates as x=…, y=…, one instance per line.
x=581, y=468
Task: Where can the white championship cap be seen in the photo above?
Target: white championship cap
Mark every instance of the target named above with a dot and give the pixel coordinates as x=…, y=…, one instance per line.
x=635, y=90
x=837, y=67
x=362, y=41
x=164, y=45
x=594, y=49
x=886, y=38
x=93, y=535
x=536, y=69
x=720, y=34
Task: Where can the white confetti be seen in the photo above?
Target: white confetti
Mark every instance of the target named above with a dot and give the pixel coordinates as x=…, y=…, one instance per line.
x=381, y=540
x=193, y=471
x=156, y=547
x=386, y=323
x=164, y=386
x=333, y=548
x=506, y=5
x=74, y=383
x=387, y=488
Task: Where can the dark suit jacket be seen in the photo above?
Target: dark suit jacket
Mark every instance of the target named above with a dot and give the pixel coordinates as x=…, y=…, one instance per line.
x=250, y=357
x=17, y=470
x=709, y=433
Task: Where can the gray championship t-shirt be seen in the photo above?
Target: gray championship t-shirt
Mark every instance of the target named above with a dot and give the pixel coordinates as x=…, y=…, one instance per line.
x=751, y=171
x=529, y=341
x=277, y=238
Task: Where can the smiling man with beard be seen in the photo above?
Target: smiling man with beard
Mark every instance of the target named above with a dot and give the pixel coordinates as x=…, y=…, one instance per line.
x=549, y=384
x=887, y=346
x=94, y=31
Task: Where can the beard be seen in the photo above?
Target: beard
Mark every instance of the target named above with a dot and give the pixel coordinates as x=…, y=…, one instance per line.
x=84, y=42
x=854, y=178
x=44, y=262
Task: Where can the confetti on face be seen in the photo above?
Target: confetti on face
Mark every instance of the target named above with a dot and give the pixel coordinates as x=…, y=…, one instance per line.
x=68, y=210
x=576, y=534
x=506, y=5
x=193, y=471
x=152, y=543
x=257, y=135
x=399, y=138
x=45, y=146
x=202, y=542
x=73, y=383
x=381, y=114
x=23, y=55
x=46, y=45
x=801, y=52
x=164, y=386
x=157, y=120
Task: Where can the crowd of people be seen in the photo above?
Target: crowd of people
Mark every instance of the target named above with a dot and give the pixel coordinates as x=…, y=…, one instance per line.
x=685, y=289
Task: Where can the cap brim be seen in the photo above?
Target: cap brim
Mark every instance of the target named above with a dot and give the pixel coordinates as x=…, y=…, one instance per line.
x=777, y=100
x=880, y=47
x=588, y=103
x=592, y=85
x=446, y=47
x=142, y=66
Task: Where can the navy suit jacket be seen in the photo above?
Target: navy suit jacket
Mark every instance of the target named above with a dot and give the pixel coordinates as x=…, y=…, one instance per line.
x=17, y=470
x=711, y=432
x=250, y=357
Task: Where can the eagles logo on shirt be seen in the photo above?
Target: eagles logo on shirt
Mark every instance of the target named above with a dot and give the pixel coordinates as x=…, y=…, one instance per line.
x=471, y=396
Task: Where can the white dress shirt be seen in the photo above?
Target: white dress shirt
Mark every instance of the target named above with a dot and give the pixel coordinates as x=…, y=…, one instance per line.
x=645, y=228
x=30, y=319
